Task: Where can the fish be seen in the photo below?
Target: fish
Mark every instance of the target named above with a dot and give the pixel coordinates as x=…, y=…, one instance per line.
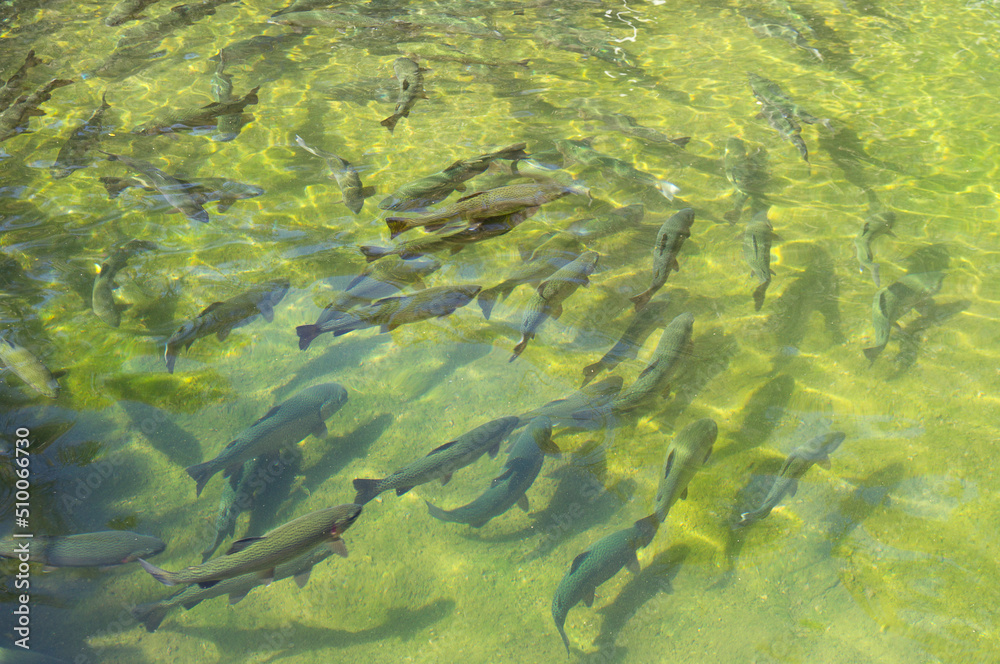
x=228, y=127
x=768, y=93
x=378, y=280
x=151, y=615
x=287, y=424
x=442, y=461
x=757, y=253
x=264, y=554
x=100, y=549
x=550, y=295
x=201, y=191
x=581, y=151
x=391, y=312
x=891, y=303
x=877, y=224
x=553, y=254
x=154, y=30
x=73, y=153
x=203, y=118
x=597, y=564
x=434, y=188
x=748, y=173
x=589, y=399
x=669, y=240
x=629, y=126
x=411, y=88
x=686, y=454
x=474, y=208
x=12, y=87
x=787, y=128
x=336, y=18
x=786, y=483
x=767, y=26
x=102, y=300
x=675, y=342
x=346, y=176
x=452, y=241
x=127, y=10
x=173, y=190
x=28, y=368
x=620, y=220
x=220, y=318
x=527, y=454
x=304, y=6
x=14, y=119
x=639, y=328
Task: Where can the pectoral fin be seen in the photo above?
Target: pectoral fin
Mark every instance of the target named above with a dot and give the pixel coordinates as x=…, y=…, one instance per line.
x=266, y=310
x=588, y=597
x=236, y=596
x=302, y=578
x=338, y=547
x=268, y=576
x=633, y=564
x=522, y=502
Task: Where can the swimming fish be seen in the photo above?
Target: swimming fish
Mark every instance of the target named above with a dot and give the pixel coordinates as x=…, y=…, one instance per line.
x=411, y=88
x=686, y=454
x=669, y=240
x=345, y=175
x=28, y=368
x=100, y=549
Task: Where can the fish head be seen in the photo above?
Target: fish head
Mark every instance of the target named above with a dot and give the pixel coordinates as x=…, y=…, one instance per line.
x=344, y=517
x=336, y=397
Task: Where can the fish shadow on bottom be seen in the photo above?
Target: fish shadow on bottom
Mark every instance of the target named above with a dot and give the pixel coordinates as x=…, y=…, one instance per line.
x=872, y=495
x=340, y=452
x=172, y=441
x=653, y=581
x=714, y=349
x=911, y=337
x=400, y=623
x=760, y=416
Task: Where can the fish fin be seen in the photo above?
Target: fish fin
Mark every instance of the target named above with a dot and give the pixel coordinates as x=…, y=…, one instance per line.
x=506, y=475
x=487, y=299
x=493, y=451
x=641, y=299
x=237, y=595
x=372, y=253
x=578, y=561
x=368, y=192
x=269, y=414
x=319, y=430
x=468, y=196
x=667, y=189
x=707, y=455
x=681, y=142
x=402, y=490
x=190, y=605
x=445, y=479
x=396, y=225
x=441, y=448
x=302, y=578
x=684, y=493
x=390, y=122
x=633, y=563
x=436, y=511
x=590, y=371
x=873, y=352
x=793, y=487
x=588, y=596
x=268, y=576
x=306, y=335
x=241, y=544
x=222, y=334
x=161, y=575
x=210, y=308
x=267, y=311
x=201, y=473
x=519, y=348
x=339, y=547
x=824, y=463
x=367, y=489
x=669, y=463
x=523, y=503
x=556, y=311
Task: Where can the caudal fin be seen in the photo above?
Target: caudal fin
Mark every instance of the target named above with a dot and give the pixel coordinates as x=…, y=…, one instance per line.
x=396, y=225
x=161, y=575
x=306, y=335
x=150, y=615
x=367, y=489
x=390, y=122
x=201, y=473
x=486, y=300
x=641, y=299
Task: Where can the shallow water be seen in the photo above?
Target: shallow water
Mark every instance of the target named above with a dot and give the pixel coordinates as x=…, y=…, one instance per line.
x=889, y=555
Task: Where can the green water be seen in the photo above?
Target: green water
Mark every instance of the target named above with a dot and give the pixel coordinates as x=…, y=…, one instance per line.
x=888, y=556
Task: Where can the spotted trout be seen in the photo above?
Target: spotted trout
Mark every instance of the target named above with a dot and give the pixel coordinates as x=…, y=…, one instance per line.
x=411, y=88
x=263, y=554
x=100, y=549
x=669, y=240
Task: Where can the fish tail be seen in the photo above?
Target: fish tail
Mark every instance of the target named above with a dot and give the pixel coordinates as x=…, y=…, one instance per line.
x=367, y=489
x=161, y=575
x=306, y=335
x=519, y=348
x=873, y=352
x=641, y=299
x=487, y=299
x=758, y=295
x=170, y=359
x=372, y=253
x=390, y=122
x=562, y=633
x=150, y=615
x=668, y=189
x=396, y=226
x=681, y=142
x=590, y=371
x=201, y=473
x=437, y=512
